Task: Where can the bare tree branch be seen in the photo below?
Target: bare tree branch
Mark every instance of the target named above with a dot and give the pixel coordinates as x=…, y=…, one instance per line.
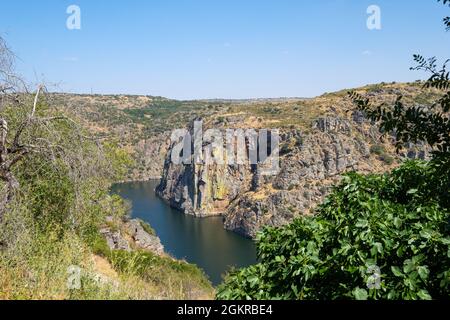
x=36, y=98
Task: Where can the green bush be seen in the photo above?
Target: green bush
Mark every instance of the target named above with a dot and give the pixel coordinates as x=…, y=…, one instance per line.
x=380, y=151
x=147, y=228
x=393, y=222
x=387, y=159
x=377, y=149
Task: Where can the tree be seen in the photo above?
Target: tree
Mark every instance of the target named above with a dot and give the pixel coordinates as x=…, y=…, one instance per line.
x=50, y=165
x=32, y=127
x=446, y=19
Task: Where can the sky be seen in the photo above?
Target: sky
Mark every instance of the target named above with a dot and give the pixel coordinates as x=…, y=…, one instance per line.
x=221, y=48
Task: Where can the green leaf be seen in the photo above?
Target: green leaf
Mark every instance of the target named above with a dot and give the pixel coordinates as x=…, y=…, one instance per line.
x=379, y=247
x=253, y=280
x=424, y=295
x=360, y=294
x=426, y=233
x=397, y=222
x=397, y=271
x=408, y=266
x=362, y=223
x=423, y=272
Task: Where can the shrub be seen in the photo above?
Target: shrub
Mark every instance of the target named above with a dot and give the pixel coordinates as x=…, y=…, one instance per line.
x=387, y=159
x=377, y=149
x=392, y=222
x=147, y=228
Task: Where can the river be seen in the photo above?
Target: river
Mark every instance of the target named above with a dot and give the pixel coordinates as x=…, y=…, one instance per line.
x=201, y=241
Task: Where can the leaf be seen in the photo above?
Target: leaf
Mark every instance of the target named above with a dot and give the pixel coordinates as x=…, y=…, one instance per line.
x=379, y=247
x=397, y=222
x=253, y=280
x=426, y=233
x=423, y=272
x=408, y=266
x=360, y=294
x=396, y=271
x=362, y=223
x=424, y=295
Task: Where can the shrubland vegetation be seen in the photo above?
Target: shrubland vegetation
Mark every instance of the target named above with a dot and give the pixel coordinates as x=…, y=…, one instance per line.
x=54, y=199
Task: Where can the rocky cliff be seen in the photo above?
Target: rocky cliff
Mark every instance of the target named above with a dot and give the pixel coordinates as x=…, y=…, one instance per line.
x=320, y=141
x=311, y=161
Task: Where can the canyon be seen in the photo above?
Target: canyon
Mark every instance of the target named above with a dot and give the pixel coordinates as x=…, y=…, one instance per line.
x=320, y=139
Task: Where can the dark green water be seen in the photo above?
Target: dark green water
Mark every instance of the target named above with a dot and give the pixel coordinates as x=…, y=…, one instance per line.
x=202, y=241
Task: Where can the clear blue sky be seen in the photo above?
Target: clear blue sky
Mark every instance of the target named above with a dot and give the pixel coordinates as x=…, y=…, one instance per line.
x=221, y=48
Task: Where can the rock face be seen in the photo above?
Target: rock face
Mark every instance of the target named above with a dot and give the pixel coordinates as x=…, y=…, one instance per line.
x=149, y=156
x=309, y=165
x=142, y=239
x=307, y=172
x=133, y=236
x=115, y=240
x=203, y=190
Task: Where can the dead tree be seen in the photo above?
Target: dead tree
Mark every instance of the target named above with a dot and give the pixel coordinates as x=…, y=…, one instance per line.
x=34, y=134
x=14, y=94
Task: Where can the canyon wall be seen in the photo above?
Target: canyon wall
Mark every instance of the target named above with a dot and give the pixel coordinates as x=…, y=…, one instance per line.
x=310, y=163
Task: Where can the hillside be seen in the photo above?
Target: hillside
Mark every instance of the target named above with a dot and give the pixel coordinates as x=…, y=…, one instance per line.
x=63, y=235
x=143, y=124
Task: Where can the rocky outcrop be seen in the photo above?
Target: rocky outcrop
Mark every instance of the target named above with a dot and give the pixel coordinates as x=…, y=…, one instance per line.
x=142, y=238
x=309, y=165
x=115, y=240
x=149, y=156
x=306, y=175
x=203, y=190
x=130, y=236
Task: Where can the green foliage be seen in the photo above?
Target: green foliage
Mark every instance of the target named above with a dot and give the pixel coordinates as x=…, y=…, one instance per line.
x=380, y=151
x=446, y=19
x=119, y=160
x=98, y=245
x=415, y=123
x=49, y=191
x=147, y=228
x=157, y=269
x=391, y=221
x=61, y=202
x=377, y=149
